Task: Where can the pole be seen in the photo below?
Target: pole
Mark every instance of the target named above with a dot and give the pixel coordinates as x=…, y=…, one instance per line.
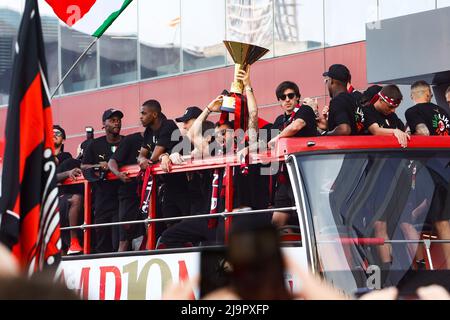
x=74, y=65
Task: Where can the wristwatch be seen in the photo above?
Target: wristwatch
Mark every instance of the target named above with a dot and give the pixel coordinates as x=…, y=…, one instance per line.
x=250, y=89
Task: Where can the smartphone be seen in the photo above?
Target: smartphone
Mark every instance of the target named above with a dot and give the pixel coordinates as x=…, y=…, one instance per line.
x=214, y=270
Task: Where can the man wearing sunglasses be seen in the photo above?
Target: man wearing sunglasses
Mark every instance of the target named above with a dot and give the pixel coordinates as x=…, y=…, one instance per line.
x=343, y=116
x=380, y=118
x=296, y=121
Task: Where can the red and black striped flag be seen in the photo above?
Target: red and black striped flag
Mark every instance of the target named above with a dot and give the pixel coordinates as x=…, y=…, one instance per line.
x=29, y=214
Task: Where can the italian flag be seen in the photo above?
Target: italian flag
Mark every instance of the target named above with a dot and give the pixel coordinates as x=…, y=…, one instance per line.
x=89, y=16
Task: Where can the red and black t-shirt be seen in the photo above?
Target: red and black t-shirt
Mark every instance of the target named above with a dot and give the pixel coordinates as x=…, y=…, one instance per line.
x=372, y=115
x=434, y=117
x=305, y=113
x=343, y=110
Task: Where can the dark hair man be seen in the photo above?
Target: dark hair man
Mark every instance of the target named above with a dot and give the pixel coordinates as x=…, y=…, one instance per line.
x=70, y=197
x=106, y=202
x=428, y=119
x=380, y=118
x=127, y=154
x=160, y=136
x=342, y=110
x=297, y=120
x=59, y=136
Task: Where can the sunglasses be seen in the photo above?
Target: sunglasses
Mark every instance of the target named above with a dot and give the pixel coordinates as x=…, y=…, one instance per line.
x=289, y=95
x=57, y=133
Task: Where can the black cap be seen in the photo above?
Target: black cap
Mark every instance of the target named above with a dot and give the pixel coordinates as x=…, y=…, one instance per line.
x=57, y=127
x=111, y=112
x=190, y=113
x=338, y=72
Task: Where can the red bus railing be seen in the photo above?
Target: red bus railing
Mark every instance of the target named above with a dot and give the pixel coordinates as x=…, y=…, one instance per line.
x=227, y=162
x=284, y=148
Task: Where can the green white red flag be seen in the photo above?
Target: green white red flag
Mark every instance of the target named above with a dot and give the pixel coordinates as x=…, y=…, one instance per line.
x=89, y=16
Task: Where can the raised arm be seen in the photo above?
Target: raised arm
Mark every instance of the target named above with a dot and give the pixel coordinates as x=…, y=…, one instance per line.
x=244, y=76
x=195, y=132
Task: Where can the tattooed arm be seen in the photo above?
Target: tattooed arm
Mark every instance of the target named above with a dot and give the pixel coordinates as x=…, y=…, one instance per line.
x=244, y=76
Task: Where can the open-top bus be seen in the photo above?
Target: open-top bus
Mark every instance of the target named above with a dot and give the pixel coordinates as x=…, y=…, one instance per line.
x=356, y=198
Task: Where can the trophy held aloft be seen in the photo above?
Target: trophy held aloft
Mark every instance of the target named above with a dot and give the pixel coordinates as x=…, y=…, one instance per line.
x=243, y=55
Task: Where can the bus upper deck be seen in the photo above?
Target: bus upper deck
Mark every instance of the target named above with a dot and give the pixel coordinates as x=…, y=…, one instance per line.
x=371, y=214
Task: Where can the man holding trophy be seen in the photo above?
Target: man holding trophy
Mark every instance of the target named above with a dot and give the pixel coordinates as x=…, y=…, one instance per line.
x=251, y=188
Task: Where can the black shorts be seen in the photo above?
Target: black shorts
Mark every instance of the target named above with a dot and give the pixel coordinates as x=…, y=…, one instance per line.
x=284, y=198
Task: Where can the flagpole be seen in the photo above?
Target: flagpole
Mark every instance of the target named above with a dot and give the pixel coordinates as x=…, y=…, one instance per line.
x=74, y=65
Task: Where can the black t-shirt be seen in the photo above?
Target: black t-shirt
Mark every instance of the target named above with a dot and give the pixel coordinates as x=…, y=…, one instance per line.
x=127, y=154
x=162, y=137
x=343, y=111
x=176, y=183
x=67, y=163
x=305, y=113
x=83, y=146
x=98, y=151
x=434, y=117
x=63, y=156
x=371, y=116
x=128, y=150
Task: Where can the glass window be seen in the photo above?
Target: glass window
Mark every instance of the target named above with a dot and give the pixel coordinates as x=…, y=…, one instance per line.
x=201, y=48
x=443, y=3
x=118, y=49
x=73, y=44
x=50, y=29
x=345, y=20
x=159, y=37
x=390, y=9
x=250, y=21
x=298, y=26
x=10, y=16
x=369, y=212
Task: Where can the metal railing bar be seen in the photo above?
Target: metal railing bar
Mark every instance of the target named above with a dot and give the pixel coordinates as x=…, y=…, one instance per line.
x=201, y=216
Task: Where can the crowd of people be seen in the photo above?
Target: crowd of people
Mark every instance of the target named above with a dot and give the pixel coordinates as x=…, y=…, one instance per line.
x=350, y=112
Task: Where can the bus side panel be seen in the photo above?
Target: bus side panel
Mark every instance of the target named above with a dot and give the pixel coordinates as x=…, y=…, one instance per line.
x=145, y=277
